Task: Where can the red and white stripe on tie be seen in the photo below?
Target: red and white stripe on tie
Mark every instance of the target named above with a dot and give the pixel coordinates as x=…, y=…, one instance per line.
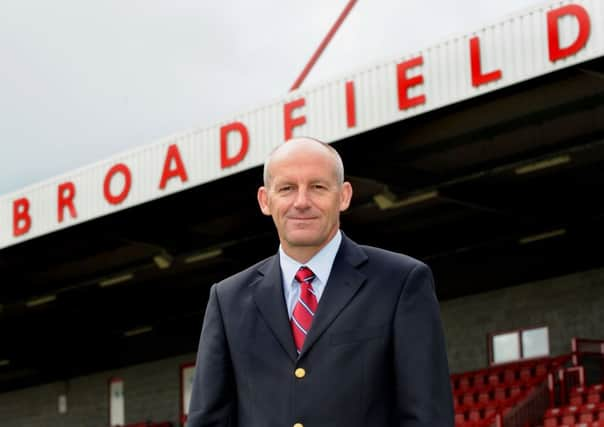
x=305, y=307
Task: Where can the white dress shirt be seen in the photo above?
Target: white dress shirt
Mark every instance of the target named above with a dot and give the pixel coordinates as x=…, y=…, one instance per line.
x=320, y=264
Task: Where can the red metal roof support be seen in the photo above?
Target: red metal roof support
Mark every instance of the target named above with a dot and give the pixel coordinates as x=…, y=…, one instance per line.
x=323, y=45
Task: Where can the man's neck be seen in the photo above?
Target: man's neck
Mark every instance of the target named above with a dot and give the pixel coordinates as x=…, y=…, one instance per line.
x=302, y=254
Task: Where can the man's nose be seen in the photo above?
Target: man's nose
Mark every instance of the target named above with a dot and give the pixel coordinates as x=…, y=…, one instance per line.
x=302, y=199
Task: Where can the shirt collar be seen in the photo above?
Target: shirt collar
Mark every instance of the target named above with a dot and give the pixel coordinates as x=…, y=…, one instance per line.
x=320, y=263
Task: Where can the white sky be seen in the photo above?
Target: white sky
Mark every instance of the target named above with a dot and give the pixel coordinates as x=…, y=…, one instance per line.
x=83, y=80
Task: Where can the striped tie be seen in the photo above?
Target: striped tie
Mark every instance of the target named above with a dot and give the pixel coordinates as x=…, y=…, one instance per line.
x=305, y=307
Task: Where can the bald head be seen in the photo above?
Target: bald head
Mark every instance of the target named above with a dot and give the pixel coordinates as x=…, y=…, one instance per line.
x=299, y=146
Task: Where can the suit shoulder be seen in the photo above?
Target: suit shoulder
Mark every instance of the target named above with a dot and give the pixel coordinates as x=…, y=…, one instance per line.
x=386, y=258
x=241, y=279
x=403, y=269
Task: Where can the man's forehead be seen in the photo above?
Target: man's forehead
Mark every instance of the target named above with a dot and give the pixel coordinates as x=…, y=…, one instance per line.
x=288, y=176
x=285, y=175
x=306, y=153
x=294, y=148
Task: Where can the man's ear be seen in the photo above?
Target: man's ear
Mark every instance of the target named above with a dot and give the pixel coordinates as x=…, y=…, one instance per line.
x=263, y=201
x=345, y=196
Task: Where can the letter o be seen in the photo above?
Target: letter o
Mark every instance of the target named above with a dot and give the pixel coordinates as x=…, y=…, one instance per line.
x=119, y=168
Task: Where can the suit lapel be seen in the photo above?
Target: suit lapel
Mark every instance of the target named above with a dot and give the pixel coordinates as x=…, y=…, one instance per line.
x=343, y=283
x=268, y=295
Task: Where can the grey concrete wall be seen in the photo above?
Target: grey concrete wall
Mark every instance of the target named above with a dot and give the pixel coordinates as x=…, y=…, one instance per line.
x=151, y=392
x=571, y=306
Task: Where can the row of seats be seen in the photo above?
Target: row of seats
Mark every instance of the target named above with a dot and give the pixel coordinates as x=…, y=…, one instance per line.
x=484, y=422
x=573, y=415
x=507, y=374
x=480, y=395
x=482, y=411
x=491, y=394
x=592, y=394
x=586, y=424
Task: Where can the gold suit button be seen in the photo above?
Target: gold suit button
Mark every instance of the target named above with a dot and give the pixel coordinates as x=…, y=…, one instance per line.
x=298, y=425
x=299, y=373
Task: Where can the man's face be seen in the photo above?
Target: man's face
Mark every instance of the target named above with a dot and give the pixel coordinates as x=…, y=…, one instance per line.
x=304, y=197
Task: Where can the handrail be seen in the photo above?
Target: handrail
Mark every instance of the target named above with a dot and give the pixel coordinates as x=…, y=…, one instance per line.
x=531, y=409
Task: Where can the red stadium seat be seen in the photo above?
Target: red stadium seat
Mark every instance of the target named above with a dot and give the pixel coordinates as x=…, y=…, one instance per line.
x=479, y=380
x=474, y=415
x=489, y=410
x=509, y=376
x=552, y=412
x=568, y=419
x=586, y=417
x=515, y=390
x=468, y=399
x=577, y=390
x=494, y=378
x=464, y=383
x=525, y=373
x=484, y=395
x=550, y=422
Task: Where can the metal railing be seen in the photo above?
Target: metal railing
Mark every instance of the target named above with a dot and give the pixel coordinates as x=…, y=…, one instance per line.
x=529, y=411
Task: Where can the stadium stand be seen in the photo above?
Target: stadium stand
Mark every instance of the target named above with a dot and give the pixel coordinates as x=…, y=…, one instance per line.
x=484, y=398
x=585, y=408
x=544, y=392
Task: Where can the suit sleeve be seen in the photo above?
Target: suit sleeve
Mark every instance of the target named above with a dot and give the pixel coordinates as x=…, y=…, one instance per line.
x=212, y=398
x=424, y=397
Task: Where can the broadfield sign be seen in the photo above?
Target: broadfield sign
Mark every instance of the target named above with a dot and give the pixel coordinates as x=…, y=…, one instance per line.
x=536, y=42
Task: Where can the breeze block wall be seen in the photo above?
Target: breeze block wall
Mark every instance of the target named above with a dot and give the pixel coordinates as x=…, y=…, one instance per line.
x=151, y=392
x=571, y=306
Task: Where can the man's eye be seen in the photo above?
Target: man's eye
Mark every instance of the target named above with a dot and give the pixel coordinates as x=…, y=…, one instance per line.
x=284, y=188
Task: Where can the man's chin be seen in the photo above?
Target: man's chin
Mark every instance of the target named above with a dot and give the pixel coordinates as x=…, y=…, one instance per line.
x=303, y=239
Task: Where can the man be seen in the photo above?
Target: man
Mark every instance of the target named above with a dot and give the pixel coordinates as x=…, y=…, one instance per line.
x=325, y=333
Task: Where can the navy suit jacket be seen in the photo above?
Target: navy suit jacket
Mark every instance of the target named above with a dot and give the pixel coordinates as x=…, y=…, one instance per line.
x=374, y=357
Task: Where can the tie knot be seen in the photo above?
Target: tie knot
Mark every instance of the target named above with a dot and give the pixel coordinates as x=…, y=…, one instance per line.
x=304, y=275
